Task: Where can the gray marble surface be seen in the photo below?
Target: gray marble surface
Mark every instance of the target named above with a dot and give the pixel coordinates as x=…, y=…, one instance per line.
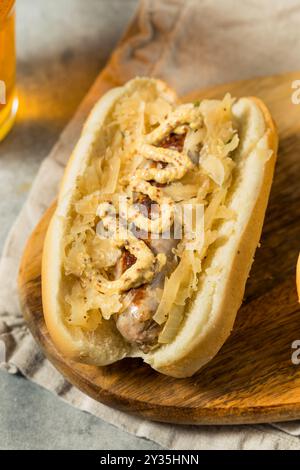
x=61, y=47
x=33, y=418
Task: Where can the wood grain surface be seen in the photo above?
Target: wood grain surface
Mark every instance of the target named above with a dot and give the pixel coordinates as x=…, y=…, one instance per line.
x=252, y=379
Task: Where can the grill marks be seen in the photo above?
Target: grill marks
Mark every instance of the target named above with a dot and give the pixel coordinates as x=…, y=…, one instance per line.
x=174, y=142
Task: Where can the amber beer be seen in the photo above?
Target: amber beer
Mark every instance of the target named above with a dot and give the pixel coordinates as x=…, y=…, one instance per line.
x=8, y=98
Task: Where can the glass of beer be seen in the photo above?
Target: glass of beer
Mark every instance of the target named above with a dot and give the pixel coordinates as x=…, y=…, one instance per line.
x=8, y=97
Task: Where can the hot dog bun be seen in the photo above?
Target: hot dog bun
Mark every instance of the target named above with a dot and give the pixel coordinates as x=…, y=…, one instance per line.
x=210, y=315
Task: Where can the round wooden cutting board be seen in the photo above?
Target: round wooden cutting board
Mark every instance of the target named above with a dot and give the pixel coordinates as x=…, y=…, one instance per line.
x=252, y=379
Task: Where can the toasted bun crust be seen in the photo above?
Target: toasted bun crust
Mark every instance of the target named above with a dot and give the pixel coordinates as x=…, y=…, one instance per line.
x=210, y=318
